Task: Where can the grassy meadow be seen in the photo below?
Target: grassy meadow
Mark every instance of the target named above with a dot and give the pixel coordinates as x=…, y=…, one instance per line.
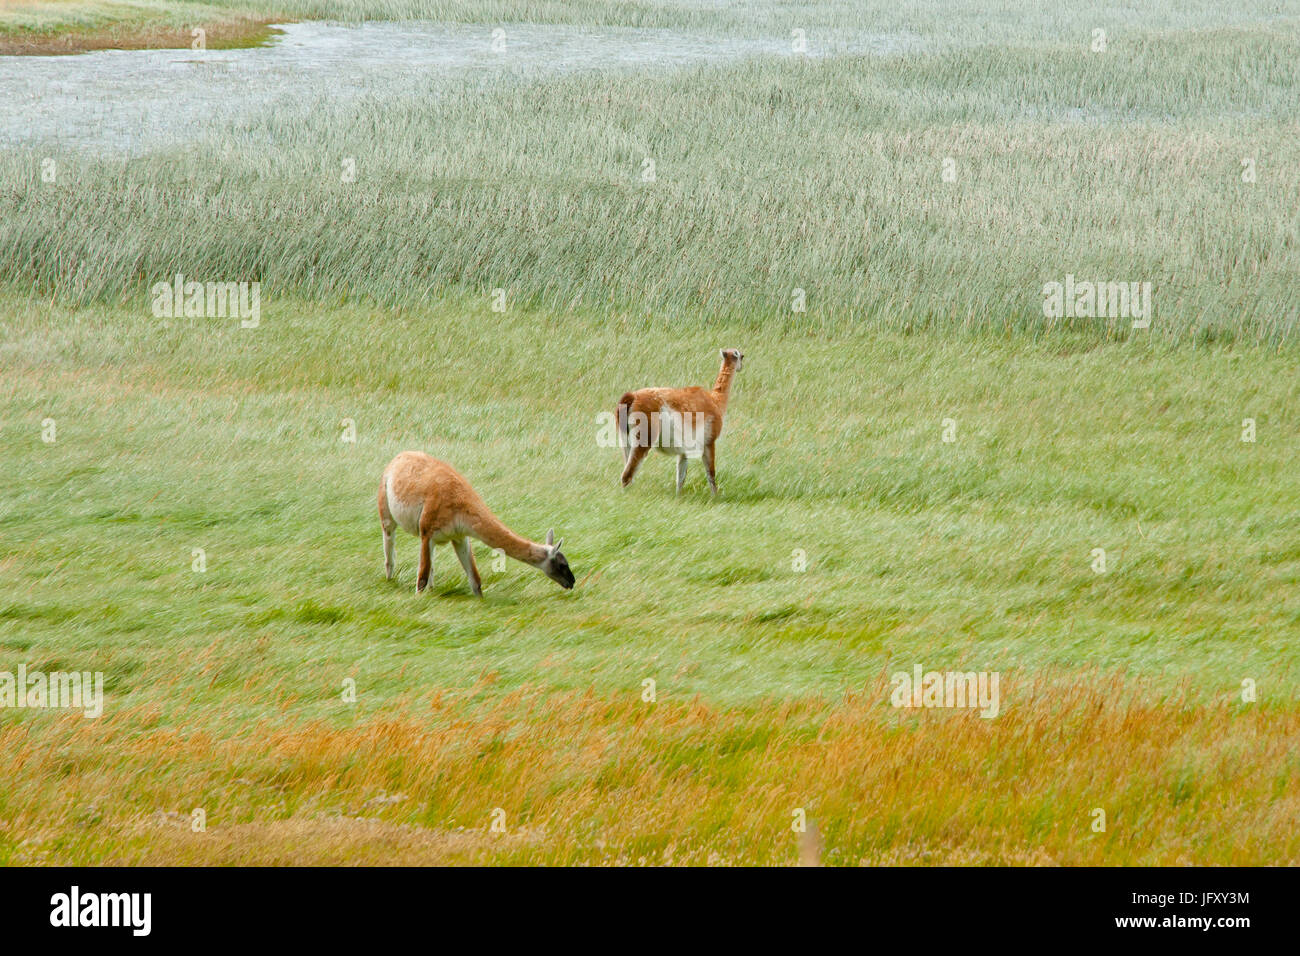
x=851, y=538
x=971, y=555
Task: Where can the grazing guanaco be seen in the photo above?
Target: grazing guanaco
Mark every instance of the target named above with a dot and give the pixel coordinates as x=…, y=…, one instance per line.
x=685, y=422
x=434, y=502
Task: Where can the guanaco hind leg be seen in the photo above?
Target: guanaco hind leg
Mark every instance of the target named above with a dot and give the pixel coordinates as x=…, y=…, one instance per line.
x=681, y=472
x=634, y=462
x=387, y=525
x=426, y=564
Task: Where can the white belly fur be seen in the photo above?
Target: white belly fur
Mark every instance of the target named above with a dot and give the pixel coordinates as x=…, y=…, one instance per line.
x=674, y=437
x=406, y=514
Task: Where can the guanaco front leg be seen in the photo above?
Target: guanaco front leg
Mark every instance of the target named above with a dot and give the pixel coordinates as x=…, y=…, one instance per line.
x=681, y=472
x=466, y=554
x=708, y=467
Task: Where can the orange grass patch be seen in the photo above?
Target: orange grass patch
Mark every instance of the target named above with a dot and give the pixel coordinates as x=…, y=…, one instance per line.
x=223, y=34
x=607, y=779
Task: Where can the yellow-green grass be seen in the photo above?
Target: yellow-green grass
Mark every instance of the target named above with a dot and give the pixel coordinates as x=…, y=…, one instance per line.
x=1121, y=691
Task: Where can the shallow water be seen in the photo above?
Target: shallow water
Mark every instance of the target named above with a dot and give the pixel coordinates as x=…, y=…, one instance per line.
x=135, y=100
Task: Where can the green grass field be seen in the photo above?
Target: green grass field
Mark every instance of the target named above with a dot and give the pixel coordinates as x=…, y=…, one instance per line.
x=974, y=555
x=850, y=539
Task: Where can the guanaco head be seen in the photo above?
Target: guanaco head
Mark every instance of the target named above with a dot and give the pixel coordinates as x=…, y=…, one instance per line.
x=555, y=565
x=732, y=357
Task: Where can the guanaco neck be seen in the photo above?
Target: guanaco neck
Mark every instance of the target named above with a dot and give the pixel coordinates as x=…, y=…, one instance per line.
x=489, y=529
x=722, y=386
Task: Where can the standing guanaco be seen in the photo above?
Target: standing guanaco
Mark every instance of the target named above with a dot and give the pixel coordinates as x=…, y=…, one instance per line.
x=685, y=422
x=433, y=501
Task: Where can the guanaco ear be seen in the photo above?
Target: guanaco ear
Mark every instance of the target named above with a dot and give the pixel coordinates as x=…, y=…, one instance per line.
x=550, y=537
x=558, y=544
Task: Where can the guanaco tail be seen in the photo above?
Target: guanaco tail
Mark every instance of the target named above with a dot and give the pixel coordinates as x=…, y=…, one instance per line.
x=431, y=500
x=685, y=422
